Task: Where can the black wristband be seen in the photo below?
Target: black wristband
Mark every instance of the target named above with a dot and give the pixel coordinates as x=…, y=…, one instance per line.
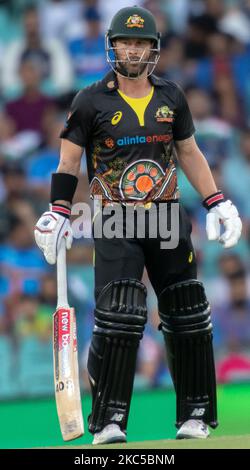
x=213, y=200
x=63, y=187
x=61, y=209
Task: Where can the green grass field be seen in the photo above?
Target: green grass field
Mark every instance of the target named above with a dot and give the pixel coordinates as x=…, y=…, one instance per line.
x=34, y=423
x=226, y=442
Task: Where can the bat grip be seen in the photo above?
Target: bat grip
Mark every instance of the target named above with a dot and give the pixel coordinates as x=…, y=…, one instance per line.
x=62, y=296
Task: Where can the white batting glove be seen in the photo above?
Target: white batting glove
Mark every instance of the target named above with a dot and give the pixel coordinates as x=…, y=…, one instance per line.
x=222, y=213
x=49, y=231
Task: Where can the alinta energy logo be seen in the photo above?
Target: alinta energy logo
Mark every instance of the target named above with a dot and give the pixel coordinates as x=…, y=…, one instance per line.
x=144, y=139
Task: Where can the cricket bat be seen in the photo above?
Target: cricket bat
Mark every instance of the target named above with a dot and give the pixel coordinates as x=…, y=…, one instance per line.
x=66, y=372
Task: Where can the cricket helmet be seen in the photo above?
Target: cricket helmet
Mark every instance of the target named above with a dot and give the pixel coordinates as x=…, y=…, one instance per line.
x=133, y=22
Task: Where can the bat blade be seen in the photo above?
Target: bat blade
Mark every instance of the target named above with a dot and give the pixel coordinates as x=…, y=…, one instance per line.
x=66, y=374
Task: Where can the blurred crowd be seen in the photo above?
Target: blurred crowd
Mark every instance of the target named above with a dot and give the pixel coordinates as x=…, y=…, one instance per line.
x=49, y=49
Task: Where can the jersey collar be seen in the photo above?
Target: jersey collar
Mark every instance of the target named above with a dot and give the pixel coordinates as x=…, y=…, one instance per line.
x=110, y=81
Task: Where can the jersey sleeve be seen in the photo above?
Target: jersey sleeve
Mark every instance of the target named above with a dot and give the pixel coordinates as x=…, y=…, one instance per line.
x=183, y=127
x=79, y=121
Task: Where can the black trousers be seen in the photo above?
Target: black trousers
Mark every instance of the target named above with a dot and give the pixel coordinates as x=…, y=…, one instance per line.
x=117, y=258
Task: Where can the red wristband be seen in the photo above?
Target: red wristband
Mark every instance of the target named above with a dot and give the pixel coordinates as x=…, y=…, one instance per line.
x=60, y=209
x=213, y=200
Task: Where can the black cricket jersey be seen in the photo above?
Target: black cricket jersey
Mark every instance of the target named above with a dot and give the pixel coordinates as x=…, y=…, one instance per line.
x=130, y=159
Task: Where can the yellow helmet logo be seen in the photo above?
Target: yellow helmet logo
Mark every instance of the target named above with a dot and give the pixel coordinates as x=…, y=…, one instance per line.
x=116, y=118
x=190, y=258
x=135, y=21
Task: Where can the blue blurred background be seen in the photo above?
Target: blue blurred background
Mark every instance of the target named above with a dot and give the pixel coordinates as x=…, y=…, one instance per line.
x=48, y=51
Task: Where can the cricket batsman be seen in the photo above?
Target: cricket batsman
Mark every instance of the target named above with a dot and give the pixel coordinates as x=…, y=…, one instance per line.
x=133, y=125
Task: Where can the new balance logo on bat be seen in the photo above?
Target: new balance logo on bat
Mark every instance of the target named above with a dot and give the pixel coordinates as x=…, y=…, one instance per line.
x=198, y=412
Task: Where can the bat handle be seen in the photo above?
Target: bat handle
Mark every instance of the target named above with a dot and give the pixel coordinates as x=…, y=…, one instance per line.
x=62, y=296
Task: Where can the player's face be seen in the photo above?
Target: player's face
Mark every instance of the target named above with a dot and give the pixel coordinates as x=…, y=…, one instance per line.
x=132, y=54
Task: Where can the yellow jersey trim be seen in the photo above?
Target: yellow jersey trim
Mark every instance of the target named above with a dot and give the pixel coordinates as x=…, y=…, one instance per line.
x=139, y=105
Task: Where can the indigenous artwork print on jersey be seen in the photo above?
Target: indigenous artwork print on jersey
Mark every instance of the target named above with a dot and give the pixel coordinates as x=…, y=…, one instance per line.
x=143, y=180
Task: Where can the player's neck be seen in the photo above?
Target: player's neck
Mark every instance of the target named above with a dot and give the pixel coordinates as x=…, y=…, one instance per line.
x=134, y=88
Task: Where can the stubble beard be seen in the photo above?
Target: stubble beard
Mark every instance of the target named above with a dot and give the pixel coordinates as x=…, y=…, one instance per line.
x=125, y=69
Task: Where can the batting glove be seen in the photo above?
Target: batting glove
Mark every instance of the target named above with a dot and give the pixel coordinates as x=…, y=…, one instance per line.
x=222, y=212
x=51, y=228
